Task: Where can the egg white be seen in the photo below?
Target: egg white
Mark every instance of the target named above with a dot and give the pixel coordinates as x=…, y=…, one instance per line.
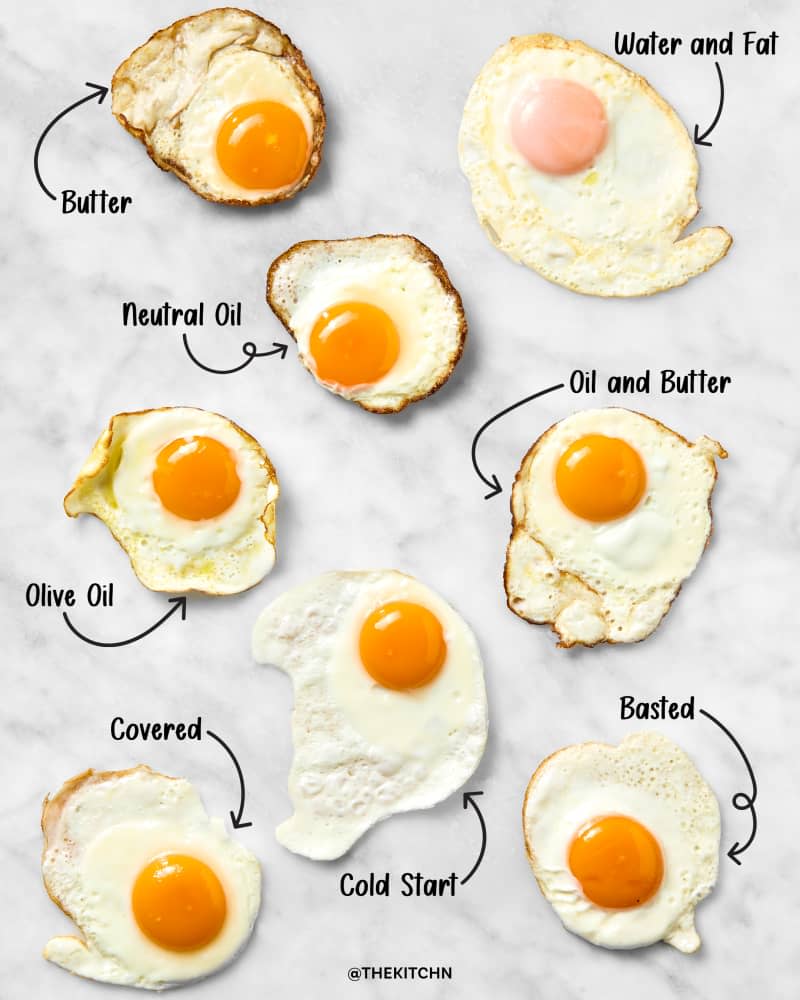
x=108, y=829
x=234, y=78
x=174, y=92
x=650, y=779
x=613, y=228
x=362, y=752
x=224, y=554
x=610, y=581
x=394, y=273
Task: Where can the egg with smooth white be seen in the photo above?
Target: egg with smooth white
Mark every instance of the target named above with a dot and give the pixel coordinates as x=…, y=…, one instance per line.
x=611, y=513
x=623, y=841
x=160, y=894
x=189, y=496
x=581, y=171
x=389, y=702
x=226, y=102
x=376, y=319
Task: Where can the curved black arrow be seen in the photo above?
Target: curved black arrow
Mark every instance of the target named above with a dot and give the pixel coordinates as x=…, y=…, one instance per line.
x=177, y=602
x=248, y=349
x=741, y=800
x=236, y=817
x=469, y=799
x=494, y=482
x=98, y=92
x=699, y=139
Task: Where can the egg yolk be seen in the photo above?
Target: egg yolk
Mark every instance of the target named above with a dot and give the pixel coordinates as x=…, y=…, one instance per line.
x=402, y=645
x=179, y=903
x=353, y=343
x=600, y=478
x=195, y=478
x=617, y=861
x=559, y=126
x=262, y=145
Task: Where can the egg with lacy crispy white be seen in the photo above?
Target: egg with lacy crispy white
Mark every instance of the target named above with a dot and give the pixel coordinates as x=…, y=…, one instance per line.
x=226, y=102
x=189, y=496
x=389, y=702
x=159, y=892
x=581, y=171
x=376, y=319
x=623, y=841
x=611, y=513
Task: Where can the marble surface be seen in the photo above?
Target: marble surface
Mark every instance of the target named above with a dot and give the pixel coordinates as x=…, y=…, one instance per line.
x=360, y=490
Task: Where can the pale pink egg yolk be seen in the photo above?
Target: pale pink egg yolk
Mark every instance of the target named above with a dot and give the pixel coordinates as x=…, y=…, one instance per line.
x=558, y=126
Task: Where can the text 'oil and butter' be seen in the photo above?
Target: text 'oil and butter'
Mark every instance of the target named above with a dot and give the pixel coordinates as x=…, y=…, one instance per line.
x=747, y=43
x=408, y=884
x=667, y=381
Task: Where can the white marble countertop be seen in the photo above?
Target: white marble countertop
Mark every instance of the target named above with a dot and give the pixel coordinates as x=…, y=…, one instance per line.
x=360, y=490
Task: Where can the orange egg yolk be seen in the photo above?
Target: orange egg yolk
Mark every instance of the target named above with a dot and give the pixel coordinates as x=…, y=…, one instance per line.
x=402, y=645
x=600, y=478
x=617, y=861
x=263, y=145
x=195, y=478
x=179, y=903
x=353, y=343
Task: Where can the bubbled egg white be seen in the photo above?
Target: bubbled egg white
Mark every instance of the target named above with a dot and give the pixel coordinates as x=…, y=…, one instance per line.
x=613, y=228
x=363, y=751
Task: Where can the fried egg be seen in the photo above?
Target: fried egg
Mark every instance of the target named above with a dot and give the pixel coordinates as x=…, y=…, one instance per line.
x=376, y=319
x=188, y=495
x=389, y=702
x=226, y=102
x=581, y=171
x=611, y=512
x=160, y=894
x=623, y=841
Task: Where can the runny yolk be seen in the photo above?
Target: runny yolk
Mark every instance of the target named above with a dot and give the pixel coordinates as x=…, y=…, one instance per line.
x=178, y=902
x=617, y=861
x=195, y=478
x=402, y=645
x=263, y=144
x=353, y=343
x=600, y=478
x=559, y=126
